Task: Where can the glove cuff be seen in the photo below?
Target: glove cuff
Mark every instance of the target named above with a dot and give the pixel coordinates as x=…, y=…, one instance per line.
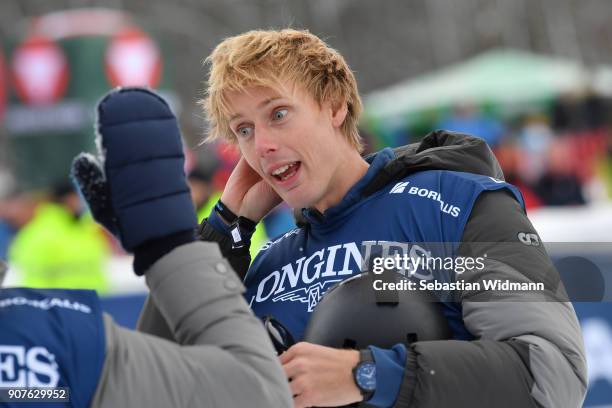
x=146, y=254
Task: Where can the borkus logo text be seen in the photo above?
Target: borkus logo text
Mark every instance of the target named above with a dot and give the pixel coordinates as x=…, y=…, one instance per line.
x=446, y=208
x=306, y=279
x=426, y=193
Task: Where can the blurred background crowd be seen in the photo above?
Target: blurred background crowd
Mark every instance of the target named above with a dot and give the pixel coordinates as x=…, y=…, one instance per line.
x=532, y=78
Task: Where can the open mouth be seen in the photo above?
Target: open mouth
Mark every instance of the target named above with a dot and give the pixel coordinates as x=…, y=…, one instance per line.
x=286, y=172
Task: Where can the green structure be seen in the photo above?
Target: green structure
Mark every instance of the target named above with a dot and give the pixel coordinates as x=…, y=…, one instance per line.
x=503, y=81
x=60, y=66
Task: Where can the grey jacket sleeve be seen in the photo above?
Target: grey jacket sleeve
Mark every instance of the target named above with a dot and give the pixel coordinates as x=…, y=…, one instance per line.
x=223, y=357
x=151, y=321
x=528, y=350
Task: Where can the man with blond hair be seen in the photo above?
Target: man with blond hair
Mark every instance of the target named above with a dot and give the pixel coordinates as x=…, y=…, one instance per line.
x=290, y=103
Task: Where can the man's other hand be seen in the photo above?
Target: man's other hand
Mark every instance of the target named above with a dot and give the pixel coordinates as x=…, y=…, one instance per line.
x=321, y=376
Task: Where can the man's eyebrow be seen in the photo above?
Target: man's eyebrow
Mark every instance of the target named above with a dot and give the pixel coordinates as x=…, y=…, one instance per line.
x=261, y=105
x=267, y=101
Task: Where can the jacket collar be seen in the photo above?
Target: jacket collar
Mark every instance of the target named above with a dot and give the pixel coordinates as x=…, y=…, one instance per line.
x=377, y=161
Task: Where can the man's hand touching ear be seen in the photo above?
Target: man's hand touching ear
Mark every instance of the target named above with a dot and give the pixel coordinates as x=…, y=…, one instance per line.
x=247, y=194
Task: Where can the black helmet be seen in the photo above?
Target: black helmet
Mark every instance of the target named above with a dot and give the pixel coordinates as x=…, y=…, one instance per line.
x=354, y=315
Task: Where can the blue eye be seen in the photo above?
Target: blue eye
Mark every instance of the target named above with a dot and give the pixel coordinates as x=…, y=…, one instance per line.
x=280, y=114
x=244, y=131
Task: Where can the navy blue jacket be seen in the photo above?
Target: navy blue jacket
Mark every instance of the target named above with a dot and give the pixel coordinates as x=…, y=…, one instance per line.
x=290, y=274
x=507, y=351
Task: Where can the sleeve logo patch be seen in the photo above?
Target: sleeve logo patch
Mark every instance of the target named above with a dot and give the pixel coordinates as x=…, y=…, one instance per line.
x=528, y=238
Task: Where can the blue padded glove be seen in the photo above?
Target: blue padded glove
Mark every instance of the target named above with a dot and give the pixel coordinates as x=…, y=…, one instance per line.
x=136, y=187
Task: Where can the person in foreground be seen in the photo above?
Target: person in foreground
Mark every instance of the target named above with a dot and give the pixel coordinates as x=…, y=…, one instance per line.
x=291, y=105
x=220, y=355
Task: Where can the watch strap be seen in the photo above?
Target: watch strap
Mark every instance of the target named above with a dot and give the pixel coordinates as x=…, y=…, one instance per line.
x=225, y=213
x=241, y=228
x=365, y=356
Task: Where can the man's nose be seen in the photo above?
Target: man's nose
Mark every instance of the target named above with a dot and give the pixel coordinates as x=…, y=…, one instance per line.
x=265, y=142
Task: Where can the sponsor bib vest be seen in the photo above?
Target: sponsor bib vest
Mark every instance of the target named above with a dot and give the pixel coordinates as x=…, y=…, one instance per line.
x=51, y=338
x=292, y=273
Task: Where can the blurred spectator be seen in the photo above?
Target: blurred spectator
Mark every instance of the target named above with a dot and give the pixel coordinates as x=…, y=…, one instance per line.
x=559, y=185
x=573, y=113
x=7, y=232
x=535, y=139
x=595, y=111
x=566, y=114
x=16, y=210
x=203, y=192
x=61, y=246
x=576, y=134
x=607, y=163
x=510, y=161
x=465, y=118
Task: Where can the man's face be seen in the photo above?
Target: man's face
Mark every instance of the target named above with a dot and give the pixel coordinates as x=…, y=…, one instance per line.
x=291, y=142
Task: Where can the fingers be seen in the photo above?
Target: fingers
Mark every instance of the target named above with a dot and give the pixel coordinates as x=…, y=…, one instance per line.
x=286, y=357
x=295, y=367
x=88, y=175
x=304, y=394
x=298, y=349
x=244, y=169
x=297, y=386
x=295, y=363
x=301, y=401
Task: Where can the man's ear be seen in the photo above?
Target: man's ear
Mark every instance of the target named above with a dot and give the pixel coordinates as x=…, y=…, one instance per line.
x=339, y=110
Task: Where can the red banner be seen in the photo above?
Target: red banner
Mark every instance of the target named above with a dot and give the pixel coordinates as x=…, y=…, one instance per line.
x=133, y=59
x=40, y=71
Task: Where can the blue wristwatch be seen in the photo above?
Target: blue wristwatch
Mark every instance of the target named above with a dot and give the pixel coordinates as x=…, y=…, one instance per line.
x=364, y=374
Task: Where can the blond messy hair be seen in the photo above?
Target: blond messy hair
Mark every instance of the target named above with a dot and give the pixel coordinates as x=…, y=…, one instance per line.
x=264, y=58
